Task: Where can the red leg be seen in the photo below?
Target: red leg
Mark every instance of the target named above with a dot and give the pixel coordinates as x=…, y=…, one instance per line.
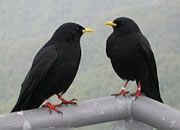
x=138, y=91
x=52, y=107
x=63, y=101
x=123, y=90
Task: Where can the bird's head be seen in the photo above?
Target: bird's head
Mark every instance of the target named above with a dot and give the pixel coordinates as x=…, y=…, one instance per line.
x=70, y=31
x=123, y=25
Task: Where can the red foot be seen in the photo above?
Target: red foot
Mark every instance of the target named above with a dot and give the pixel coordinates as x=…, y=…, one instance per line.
x=52, y=107
x=67, y=102
x=123, y=92
x=137, y=93
x=63, y=101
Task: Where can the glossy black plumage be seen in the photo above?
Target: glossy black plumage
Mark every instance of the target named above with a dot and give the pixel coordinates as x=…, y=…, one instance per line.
x=132, y=57
x=53, y=69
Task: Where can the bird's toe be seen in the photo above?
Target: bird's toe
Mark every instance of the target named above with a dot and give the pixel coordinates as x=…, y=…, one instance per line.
x=122, y=92
x=52, y=107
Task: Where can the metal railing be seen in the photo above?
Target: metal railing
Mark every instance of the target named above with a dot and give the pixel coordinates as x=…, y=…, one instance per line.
x=95, y=111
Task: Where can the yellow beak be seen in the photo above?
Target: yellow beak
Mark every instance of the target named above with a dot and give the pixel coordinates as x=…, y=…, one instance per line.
x=110, y=23
x=87, y=30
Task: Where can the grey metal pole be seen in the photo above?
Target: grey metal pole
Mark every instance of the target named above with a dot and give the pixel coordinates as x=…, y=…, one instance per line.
x=130, y=124
x=95, y=111
x=86, y=113
x=156, y=114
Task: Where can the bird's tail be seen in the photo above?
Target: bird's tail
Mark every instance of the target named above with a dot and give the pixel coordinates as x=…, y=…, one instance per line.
x=27, y=102
x=21, y=104
x=151, y=89
x=16, y=108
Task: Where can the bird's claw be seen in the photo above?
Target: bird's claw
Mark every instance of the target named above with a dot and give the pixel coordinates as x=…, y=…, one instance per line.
x=52, y=107
x=123, y=92
x=136, y=94
x=72, y=101
x=75, y=99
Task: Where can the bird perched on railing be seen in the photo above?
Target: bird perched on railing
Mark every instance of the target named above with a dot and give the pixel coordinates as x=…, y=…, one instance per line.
x=132, y=58
x=53, y=69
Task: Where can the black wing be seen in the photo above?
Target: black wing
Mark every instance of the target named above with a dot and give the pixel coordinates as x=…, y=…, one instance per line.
x=152, y=81
x=43, y=61
x=146, y=48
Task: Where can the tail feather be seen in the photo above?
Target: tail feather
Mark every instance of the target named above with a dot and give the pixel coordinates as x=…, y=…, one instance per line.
x=150, y=89
x=21, y=104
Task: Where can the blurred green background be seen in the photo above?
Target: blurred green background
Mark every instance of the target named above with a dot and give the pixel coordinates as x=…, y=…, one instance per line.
x=25, y=26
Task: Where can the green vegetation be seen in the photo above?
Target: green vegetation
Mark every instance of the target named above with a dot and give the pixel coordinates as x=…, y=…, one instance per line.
x=26, y=25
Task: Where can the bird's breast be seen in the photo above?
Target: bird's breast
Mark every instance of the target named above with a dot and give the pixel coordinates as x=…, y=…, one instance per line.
x=68, y=61
x=126, y=58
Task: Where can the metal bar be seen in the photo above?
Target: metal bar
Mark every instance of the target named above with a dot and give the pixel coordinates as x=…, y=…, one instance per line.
x=156, y=114
x=86, y=113
x=94, y=111
x=130, y=124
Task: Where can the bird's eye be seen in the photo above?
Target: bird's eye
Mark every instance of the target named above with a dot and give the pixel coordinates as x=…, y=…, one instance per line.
x=121, y=23
x=78, y=29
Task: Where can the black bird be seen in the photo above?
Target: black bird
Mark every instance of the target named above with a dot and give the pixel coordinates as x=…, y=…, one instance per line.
x=132, y=58
x=53, y=69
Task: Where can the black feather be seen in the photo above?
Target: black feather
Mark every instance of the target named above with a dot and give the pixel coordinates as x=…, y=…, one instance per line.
x=53, y=69
x=132, y=57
